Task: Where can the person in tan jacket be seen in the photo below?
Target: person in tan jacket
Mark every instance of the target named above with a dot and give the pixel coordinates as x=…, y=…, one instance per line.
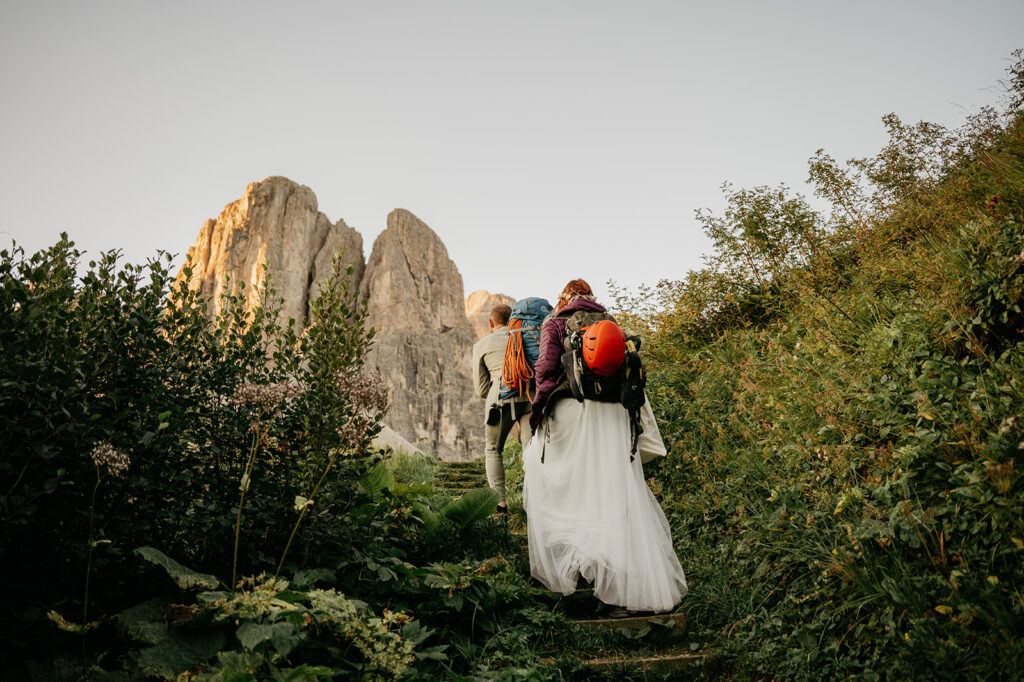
x=499, y=416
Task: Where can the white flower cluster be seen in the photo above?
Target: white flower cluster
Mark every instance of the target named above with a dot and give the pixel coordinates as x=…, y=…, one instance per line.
x=255, y=597
x=368, y=396
x=109, y=461
x=265, y=395
x=367, y=392
x=384, y=649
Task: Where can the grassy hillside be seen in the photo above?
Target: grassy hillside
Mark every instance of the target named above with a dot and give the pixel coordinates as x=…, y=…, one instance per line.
x=842, y=399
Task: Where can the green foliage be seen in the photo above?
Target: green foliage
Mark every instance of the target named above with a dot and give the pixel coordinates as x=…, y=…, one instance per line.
x=184, y=577
x=844, y=487
x=265, y=631
x=468, y=508
x=412, y=467
x=120, y=371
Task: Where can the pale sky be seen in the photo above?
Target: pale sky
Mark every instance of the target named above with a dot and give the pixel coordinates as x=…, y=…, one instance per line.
x=542, y=141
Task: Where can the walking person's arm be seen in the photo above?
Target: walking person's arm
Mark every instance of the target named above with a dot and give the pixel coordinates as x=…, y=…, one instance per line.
x=548, y=369
x=481, y=375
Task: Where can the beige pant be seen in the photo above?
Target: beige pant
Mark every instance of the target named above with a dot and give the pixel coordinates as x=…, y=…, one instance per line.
x=494, y=442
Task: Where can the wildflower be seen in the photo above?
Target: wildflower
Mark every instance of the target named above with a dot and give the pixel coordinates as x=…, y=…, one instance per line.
x=384, y=649
x=365, y=391
x=266, y=396
x=109, y=461
x=369, y=397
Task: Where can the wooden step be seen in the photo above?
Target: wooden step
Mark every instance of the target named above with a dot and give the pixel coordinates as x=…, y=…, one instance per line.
x=634, y=623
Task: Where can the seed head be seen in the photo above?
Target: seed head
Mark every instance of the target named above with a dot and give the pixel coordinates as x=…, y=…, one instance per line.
x=108, y=460
x=267, y=396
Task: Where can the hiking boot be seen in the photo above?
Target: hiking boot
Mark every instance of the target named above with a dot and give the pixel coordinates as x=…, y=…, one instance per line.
x=604, y=610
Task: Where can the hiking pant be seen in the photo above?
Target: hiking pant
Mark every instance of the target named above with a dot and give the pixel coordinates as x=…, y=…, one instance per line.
x=495, y=437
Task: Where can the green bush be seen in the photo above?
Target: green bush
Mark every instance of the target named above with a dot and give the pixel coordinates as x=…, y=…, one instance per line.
x=412, y=467
x=131, y=419
x=841, y=396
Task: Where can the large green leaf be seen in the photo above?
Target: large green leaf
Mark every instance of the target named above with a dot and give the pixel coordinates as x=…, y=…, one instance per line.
x=431, y=521
x=282, y=635
x=285, y=638
x=185, y=577
x=251, y=634
x=378, y=479
x=180, y=652
x=144, y=623
x=472, y=506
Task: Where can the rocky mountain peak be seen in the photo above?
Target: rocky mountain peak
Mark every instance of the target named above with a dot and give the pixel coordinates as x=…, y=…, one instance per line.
x=276, y=222
x=413, y=294
x=478, y=309
x=411, y=284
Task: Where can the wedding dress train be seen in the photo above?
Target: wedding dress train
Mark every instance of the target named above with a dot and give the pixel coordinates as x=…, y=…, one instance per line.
x=590, y=511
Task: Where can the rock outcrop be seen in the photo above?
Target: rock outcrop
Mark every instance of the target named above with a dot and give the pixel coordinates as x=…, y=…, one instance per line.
x=424, y=340
x=413, y=293
x=276, y=222
x=478, y=309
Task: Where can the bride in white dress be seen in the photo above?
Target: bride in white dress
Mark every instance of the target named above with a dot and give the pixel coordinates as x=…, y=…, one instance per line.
x=589, y=509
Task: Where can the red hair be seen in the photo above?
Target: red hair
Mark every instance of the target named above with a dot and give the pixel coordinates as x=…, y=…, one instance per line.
x=576, y=288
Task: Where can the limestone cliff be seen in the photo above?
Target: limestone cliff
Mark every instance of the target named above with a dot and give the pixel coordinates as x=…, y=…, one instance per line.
x=275, y=222
x=424, y=339
x=478, y=309
x=413, y=291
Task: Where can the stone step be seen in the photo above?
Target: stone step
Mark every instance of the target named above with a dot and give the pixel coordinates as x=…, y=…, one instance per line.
x=634, y=623
x=462, y=479
x=461, y=466
x=461, y=476
x=661, y=663
x=461, y=485
x=462, y=491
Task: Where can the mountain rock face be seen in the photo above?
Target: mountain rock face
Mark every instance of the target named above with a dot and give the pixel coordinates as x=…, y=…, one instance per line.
x=413, y=293
x=275, y=222
x=478, y=309
x=424, y=340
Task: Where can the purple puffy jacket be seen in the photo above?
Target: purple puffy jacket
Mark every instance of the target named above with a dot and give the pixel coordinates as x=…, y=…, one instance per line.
x=548, y=371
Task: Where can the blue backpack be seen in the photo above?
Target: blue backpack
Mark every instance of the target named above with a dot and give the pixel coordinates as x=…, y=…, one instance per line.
x=522, y=347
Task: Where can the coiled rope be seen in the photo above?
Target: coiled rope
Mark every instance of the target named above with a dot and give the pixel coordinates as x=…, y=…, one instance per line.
x=515, y=370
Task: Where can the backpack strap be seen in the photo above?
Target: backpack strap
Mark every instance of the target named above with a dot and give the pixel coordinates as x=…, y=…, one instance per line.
x=635, y=429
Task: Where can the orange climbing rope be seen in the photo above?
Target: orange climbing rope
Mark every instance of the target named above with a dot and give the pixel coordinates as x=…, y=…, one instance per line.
x=515, y=370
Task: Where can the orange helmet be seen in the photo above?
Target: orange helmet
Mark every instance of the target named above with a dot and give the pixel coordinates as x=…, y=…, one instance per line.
x=604, y=347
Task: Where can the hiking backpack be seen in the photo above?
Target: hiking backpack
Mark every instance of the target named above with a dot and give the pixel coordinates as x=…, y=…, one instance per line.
x=522, y=347
x=602, y=363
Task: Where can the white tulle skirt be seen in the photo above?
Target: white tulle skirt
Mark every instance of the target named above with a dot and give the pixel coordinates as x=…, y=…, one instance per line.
x=590, y=512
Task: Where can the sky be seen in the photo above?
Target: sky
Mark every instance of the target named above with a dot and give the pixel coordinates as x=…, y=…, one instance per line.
x=541, y=140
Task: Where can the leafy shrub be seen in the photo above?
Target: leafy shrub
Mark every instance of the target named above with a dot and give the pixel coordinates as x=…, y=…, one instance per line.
x=121, y=368
x=845, y=491
x=411, y=467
